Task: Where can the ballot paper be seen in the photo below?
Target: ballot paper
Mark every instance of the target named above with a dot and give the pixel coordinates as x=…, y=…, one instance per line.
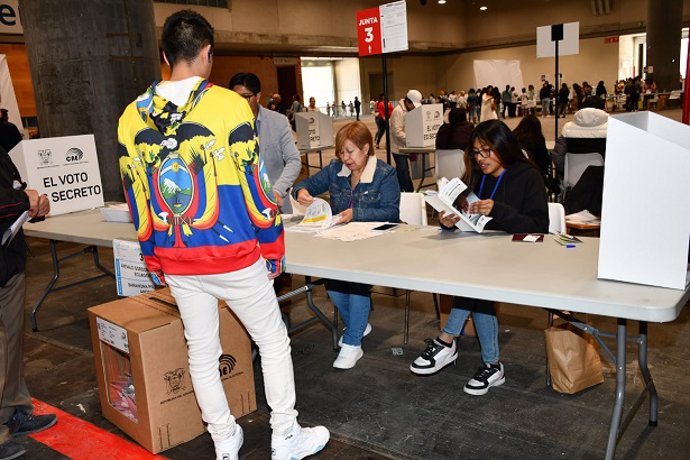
x=317, y=217
x=352, y=231
x=583, y=217
x=11, y=232
x=444, y=201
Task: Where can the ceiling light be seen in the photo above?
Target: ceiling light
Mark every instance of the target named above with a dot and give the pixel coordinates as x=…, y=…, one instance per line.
x=483, y=8
x=441, y=2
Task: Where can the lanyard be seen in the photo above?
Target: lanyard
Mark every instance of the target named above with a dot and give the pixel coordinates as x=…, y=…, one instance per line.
x=481, y=185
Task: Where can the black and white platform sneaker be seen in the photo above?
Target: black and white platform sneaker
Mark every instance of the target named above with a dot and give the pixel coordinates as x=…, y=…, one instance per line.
x=490, y=375
x=434, y=358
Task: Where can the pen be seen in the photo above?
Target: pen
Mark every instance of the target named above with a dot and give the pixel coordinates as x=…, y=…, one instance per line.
x=569, y=245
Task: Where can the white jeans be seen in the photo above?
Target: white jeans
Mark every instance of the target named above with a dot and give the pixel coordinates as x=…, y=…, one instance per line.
x=249, y=293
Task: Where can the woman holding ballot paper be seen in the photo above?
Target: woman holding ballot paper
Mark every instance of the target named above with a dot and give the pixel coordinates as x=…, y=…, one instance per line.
x=511, y=192
x=362, y=189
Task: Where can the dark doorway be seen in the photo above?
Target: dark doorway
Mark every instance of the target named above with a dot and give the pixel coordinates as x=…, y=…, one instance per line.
x=287, y=82
x=376, y=86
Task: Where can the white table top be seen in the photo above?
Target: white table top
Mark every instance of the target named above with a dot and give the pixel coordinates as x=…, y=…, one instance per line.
x=417, y=149
x=84, y=227
x=315, y=149
x=487, y=266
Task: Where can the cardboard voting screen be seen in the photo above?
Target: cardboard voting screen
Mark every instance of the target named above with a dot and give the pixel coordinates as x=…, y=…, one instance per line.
x=314, y=129
x=422, y=124
x=64, y=168
x=645, y=225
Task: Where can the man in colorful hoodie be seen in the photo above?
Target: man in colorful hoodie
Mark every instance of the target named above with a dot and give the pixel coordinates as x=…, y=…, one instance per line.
x=207, y=224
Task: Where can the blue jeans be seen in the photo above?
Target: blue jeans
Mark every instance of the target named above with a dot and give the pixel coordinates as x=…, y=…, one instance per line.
x=485, y=323
x=353, y=301
x=402, y=168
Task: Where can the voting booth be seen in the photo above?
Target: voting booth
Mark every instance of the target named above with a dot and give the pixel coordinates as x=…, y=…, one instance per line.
x=64, y=168
x=645, y=225
x=422, y=124
x=314, y=129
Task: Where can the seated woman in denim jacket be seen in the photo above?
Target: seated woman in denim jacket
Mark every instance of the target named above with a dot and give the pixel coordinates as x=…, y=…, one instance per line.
x=361, y=188
x=511, y=191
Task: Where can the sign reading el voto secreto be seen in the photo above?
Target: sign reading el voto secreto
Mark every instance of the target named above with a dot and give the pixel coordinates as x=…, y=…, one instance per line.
x=64, y=168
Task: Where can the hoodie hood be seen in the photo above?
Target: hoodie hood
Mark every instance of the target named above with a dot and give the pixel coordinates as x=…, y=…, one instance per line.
x=164, y=115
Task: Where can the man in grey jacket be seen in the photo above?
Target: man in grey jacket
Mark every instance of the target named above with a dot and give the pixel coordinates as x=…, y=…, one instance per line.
x=277, y=148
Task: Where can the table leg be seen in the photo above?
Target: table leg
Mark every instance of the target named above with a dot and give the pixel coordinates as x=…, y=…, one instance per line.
x=647, y=376
x=616, y=416
x=421, y=182
x=308, y=291
x=56, y=274
x=51, y=283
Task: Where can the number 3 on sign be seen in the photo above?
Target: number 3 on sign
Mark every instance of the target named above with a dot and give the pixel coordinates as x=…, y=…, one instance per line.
x=370, y=36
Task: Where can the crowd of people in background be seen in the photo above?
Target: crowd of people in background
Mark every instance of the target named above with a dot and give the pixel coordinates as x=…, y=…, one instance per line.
x=490, y=102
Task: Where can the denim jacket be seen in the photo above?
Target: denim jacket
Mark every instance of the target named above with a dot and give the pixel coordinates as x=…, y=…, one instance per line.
x=376, y=198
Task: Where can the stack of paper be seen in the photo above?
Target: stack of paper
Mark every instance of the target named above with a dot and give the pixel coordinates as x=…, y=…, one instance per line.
x=583, y=217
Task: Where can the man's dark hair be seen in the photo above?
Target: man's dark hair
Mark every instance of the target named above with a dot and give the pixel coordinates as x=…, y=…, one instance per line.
x=248, y=80
x=185, y=33
x=594, y=102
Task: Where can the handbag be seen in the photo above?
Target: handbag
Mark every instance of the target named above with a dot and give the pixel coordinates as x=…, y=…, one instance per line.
x=573, y=358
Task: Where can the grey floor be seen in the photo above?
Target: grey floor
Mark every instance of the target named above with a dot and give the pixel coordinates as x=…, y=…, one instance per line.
x=380, y=410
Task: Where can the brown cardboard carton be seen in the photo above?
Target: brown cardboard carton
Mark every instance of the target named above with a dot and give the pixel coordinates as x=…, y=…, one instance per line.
x=143, y=376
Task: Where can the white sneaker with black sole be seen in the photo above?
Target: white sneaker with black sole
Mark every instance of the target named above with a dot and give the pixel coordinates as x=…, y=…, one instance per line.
x=367, y=331
x=229, y=449
x=490, y=375
x=299, y=442
x=434, y=358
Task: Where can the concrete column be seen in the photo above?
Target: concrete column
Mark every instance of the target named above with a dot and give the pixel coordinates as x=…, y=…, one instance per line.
x=88, y=60
x=664, y=24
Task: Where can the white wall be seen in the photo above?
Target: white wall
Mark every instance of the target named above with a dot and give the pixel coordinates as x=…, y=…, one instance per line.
x=347, y=80
x=317, y=82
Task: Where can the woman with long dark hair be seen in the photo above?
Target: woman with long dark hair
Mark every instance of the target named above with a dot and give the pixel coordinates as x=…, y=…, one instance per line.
x=531, y=138
x=511, y=192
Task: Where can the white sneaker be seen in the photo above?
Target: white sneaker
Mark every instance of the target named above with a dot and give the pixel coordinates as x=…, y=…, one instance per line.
x=487, y=376
x=299, y=443
x=229, y=449
x=348, y=356
x=434, y=358
x=367, y=331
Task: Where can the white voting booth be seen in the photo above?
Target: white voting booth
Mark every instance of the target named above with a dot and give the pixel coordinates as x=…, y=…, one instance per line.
x=314, y=129
x=422, y=124
x=645, y=227
x=64, y=168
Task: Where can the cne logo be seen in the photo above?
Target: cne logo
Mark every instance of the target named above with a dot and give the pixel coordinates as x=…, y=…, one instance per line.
x=226, y=364
x=74, y=154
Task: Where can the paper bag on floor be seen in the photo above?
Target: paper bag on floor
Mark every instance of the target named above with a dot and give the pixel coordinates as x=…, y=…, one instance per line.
x=574, y=361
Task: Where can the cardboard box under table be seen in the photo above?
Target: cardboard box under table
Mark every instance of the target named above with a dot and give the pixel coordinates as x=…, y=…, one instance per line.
x=143, y=376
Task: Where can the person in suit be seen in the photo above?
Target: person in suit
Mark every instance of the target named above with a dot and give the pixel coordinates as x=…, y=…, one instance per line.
x=281, y=157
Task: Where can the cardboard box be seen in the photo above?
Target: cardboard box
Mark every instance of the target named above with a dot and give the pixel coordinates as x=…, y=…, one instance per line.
x=422, y=124
x=143, y=376
x=314, y=129
x=645, y=223
x=64, y=168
